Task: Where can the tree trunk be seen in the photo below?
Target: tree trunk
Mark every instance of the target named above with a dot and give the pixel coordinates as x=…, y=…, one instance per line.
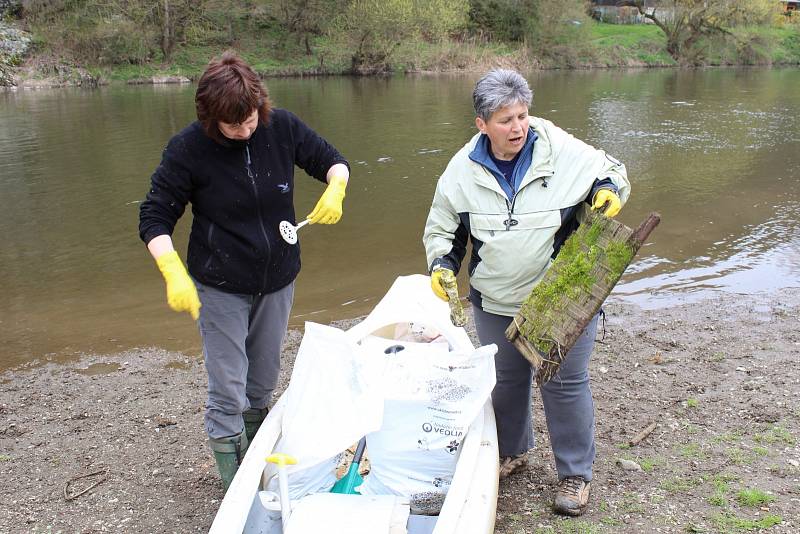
x=167, y=41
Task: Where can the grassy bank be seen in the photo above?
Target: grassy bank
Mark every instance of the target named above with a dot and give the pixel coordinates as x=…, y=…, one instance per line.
x=274, y=52
x=607, y=46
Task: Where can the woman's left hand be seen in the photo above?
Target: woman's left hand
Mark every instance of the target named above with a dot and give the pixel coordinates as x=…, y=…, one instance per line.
x=329, y=207
x=607, y=196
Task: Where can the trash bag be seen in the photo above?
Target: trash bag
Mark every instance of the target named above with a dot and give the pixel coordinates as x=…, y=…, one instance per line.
x=414, y=404
x=431, y=397
x=334, y=398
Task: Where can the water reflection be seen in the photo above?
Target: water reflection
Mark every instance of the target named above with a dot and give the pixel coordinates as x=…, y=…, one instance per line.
x=714, y=151
x=765, y=259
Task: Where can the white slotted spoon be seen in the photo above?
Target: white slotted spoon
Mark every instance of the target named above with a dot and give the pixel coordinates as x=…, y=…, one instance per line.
x=289, y=231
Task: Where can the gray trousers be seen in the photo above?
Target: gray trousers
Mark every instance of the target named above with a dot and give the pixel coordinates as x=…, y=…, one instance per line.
x=567, y=399
x=242, y=339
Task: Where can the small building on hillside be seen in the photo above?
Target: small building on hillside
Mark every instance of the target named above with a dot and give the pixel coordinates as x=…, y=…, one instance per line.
x=625, y=12
x=790, y=5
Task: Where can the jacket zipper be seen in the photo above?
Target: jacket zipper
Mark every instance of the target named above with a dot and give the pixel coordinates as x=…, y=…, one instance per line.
x=258, y=211
x=511, y=221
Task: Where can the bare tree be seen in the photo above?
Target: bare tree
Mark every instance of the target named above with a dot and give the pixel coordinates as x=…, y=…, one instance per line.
x=305, y=18
x=373, y=29
x=175, y=17
x=686, y=22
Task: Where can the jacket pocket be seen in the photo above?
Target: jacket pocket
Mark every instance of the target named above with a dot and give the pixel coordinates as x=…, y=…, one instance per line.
x=512, y=259
x=516, y=222
x=210, y=244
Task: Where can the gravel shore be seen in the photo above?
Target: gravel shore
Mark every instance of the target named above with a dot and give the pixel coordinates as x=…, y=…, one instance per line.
x=719, y=379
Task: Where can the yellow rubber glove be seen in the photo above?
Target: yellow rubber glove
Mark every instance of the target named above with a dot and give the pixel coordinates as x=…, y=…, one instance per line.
x=607, y=195
x=329, y=207
x=181, y=291
x=438, y=286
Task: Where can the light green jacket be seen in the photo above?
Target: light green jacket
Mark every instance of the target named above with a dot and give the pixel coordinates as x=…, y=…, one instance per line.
x=508, y=261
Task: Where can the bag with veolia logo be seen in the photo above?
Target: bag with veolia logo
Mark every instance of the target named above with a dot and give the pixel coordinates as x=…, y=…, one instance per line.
x=431, y=395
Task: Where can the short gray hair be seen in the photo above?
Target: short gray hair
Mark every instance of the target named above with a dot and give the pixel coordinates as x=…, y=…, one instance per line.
x=500, y=88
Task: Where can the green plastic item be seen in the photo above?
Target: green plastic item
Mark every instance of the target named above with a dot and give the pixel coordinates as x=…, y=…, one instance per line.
x=352, y=479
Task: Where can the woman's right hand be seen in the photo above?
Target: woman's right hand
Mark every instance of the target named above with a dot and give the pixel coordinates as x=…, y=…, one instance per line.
x=181, y=291
x=440, y=277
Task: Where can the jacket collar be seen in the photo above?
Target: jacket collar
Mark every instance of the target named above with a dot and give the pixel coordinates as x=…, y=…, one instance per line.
x=480, y=154
x=542, y=161
x=230, y=143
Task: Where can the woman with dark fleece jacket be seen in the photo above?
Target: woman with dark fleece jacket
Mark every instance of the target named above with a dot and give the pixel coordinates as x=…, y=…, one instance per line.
x=235, y=165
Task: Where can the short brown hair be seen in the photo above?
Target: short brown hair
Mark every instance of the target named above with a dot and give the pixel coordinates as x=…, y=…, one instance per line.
x=228, y=91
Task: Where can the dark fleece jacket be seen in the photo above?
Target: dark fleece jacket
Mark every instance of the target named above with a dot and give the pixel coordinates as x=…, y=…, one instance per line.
x=240, y=191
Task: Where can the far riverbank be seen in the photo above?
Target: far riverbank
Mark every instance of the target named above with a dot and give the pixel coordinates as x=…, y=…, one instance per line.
x=605, y=46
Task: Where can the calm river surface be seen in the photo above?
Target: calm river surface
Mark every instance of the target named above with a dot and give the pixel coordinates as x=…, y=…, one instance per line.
x=716, y=152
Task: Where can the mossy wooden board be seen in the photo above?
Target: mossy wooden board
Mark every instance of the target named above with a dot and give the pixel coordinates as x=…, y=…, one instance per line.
x=586, y=269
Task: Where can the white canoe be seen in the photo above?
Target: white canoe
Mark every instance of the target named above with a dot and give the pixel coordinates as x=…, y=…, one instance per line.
x=470, y=505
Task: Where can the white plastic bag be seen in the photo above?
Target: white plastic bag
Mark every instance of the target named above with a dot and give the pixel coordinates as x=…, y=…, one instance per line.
x=334, y=398
x=431, y=397
x=337, y=389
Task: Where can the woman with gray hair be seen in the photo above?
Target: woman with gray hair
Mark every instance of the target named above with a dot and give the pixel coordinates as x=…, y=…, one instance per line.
x=517, y=190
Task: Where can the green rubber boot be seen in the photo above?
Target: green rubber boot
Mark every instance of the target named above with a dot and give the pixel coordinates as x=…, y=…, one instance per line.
x=228, y=452
x=252, y=421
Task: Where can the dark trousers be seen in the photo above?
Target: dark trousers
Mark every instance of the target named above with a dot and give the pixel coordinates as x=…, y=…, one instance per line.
x=242, y=339
x=567, y=398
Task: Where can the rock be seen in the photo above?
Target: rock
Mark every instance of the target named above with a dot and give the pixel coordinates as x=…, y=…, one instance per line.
x=628, y=465
x=14, y=43
x=159, y=80
x=10, y=7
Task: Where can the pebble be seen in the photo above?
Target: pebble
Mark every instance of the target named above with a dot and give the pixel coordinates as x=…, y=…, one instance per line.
x=628, y=465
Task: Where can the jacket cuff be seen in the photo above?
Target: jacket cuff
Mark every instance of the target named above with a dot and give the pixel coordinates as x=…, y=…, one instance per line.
x=153, y=232
x=605, y=183
x=441, y=263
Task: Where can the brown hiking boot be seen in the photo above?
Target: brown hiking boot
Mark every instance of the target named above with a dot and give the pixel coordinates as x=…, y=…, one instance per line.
x=512, y=464
x=572, y=496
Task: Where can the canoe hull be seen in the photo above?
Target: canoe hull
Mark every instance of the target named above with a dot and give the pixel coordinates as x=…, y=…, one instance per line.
x=470, y=506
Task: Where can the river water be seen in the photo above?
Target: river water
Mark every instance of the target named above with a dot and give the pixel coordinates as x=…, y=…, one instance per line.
x=716, y=152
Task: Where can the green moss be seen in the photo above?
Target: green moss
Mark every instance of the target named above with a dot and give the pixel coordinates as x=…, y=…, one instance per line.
x=593, y=232
x=679, y=484
x=691, y=450
x=727, y=521
x=776, y=434
x=718, y=499
x=618, y=256
x=573, y=274
x=753, y=497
